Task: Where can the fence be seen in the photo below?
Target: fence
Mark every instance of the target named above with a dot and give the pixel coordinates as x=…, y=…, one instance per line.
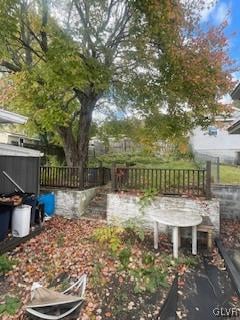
x=190, y=182
x=68, y=177
x=201, y=159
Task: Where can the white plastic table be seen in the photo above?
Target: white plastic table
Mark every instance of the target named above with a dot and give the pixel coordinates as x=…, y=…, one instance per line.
x=178, y=218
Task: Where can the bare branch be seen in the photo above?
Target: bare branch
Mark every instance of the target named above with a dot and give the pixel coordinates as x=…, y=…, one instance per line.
x=10, y=66
x=85, y=22
x=25, y=33
x=26, y=45
x=105, y=23
x=69, y=14
x=44, y=42
x=66, y=104
x=120, y=26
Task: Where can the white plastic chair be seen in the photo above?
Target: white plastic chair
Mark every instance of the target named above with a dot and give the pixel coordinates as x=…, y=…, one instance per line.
x=77, y=301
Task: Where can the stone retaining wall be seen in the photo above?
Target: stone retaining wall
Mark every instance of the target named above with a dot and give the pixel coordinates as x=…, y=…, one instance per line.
x=72, y=203
x=122, y=207
x=229, y=198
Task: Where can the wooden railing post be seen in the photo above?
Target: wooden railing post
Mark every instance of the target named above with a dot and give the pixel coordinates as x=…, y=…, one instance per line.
x=218, y=170
x=208, y=180
x=101, y=173
x=113, y=177
x=81, y=180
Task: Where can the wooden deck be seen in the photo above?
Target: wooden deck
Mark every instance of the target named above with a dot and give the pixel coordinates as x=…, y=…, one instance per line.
x=13, y=242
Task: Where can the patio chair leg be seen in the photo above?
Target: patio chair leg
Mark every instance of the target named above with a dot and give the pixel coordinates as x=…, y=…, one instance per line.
x=175, y=242
x=209, y=243
x=155, y=235
x=179, y=237
x=194, y=240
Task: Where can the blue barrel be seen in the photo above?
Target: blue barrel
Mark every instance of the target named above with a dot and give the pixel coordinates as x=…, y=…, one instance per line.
x=5, y=214
x=48, y=200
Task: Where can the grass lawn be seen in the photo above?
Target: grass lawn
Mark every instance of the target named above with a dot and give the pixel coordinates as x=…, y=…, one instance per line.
x=172, y=164
x=229, y=174
x=127, y=278
x=144, y=161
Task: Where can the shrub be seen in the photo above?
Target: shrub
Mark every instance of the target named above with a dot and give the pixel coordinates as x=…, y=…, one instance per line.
x=149, y=279
x=10, y=306
x=124, y=257
x=110, y=237
x=5, y=264
x=134, y=230
x=148, y=258
x=132, y=158
x=147, y=198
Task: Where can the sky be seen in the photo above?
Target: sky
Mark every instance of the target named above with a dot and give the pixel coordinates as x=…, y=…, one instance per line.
x=219, y=12
x=230, y=10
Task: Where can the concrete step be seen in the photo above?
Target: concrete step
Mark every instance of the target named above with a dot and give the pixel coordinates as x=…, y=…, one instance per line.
x=95, y=210
x=97, y=207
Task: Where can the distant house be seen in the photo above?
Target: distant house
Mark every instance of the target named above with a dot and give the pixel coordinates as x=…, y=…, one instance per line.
x=11, y=144
x=217, y=141
x=235, y=126
x=21, y=164
x=17, y=139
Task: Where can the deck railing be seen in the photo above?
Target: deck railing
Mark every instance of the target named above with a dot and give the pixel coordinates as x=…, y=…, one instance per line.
x=68, y=177
x=191, y=182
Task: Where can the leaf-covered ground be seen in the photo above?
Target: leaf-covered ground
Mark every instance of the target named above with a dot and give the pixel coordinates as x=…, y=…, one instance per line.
x=126, y=278
x=230, y=233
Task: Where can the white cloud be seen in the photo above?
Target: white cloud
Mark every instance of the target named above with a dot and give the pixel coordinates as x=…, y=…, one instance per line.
x=221, y=13
x=226, y=99
x=208, y=7
x=207, y=11
x=236, y=76
x=217, y=12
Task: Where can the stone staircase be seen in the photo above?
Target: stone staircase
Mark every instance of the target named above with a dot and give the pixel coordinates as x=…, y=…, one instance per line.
x=97, y=208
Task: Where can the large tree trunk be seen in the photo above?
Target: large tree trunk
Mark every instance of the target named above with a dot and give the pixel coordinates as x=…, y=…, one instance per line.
x=69, y=146
x=76, y=148
x=87, y=106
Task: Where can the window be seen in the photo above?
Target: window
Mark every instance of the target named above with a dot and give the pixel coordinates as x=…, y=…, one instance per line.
x=212, y=131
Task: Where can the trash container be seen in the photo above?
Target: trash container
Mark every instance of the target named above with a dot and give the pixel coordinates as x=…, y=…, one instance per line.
x=39, y=215
x=48, y=199
x=31, y=200
x=5, y=214
x=21, y=221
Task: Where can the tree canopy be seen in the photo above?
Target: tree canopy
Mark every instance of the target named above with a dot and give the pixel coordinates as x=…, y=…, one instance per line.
x=62, y=60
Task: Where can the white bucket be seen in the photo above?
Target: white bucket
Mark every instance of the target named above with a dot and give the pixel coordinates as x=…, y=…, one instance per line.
x=21, y=221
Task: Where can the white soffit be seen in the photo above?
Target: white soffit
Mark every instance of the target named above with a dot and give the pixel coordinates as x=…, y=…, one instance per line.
x=11, y=117
x=10, y=150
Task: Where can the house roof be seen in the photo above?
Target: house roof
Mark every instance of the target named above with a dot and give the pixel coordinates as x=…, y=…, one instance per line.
x=11, y=150
x=11, y=117
x=234, y=128
x=236, y=93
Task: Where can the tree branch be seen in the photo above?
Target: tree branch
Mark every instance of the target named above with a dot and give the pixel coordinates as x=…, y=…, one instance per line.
x=12, y=67
x=25, y=36
x=119, y=32
x=26, y=45
x=85, y=22
x=44, y=42
x=66, y=104
x=69, y=15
